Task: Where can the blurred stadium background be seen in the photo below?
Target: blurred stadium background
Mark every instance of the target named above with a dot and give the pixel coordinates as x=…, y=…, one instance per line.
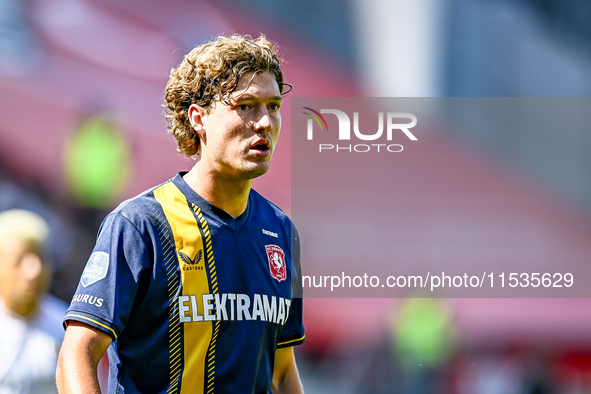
x=81, y=128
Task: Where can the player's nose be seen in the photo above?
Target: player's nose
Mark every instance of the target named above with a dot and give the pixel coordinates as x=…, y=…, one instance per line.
x=263, y=123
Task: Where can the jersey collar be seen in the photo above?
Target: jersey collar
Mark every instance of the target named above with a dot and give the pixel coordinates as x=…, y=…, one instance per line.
x=208, y=208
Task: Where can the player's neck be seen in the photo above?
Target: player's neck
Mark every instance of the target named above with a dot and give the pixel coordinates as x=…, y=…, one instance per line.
x=226, y=193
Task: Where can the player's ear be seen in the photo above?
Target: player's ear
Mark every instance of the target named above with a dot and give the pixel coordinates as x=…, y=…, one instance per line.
x=197, y=119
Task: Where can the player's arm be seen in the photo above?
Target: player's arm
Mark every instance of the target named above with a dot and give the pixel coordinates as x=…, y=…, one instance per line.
x=81, y=351
x=285, y=375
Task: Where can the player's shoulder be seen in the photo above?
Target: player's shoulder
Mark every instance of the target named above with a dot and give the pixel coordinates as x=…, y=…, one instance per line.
x=268, y=212
x=140, y=210
x=143, y=204
x=265, y=207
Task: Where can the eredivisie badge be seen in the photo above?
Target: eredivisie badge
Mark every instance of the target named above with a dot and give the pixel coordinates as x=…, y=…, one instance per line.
x=276, y=258
x=96, y=268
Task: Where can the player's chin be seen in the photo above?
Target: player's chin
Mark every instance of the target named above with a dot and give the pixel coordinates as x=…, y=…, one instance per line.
x=258, y=169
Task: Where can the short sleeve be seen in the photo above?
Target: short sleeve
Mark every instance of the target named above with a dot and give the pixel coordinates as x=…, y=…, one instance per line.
x=107, y=290
x=293, y=332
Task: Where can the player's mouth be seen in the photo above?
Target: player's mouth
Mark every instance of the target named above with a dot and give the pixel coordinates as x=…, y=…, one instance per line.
x=261, y=148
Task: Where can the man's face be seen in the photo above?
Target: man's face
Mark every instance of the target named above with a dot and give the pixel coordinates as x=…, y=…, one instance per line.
x=23, y=277
x=240, y=137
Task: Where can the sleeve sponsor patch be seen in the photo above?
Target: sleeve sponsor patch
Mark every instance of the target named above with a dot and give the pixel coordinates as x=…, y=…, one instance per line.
x=96, y=268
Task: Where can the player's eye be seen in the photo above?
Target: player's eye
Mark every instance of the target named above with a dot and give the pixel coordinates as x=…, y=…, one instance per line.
x=242, y=107
x=274, y=107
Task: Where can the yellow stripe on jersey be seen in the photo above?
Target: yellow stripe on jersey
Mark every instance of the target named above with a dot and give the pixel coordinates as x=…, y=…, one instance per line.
x=69, y=315
x=187, y=238
x=292, y=341
x=209, y=387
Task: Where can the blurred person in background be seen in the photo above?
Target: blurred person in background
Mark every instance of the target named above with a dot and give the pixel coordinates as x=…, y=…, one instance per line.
x=30, y=320
x=424, y=340
x=19, y=49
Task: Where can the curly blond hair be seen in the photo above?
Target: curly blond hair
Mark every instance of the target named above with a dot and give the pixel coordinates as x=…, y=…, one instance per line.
x=211, y=72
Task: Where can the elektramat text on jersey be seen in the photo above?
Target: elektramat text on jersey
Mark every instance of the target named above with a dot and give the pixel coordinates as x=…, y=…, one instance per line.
x=214, y=307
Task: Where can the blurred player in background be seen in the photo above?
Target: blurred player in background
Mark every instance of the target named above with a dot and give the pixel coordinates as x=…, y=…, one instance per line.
x=193, y=285
x=30, y=320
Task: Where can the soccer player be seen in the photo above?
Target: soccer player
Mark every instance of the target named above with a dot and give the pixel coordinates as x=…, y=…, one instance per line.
x=192, y=285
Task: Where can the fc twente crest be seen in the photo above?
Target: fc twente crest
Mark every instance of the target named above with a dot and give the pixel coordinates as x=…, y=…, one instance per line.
x=276, y=258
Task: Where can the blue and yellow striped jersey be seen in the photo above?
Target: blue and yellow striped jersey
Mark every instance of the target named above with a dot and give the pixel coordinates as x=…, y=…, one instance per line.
x=194, y=300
